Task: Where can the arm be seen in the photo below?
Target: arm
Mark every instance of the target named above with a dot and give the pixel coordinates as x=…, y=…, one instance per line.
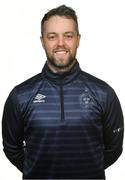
x=113, y=130
x=12, y=131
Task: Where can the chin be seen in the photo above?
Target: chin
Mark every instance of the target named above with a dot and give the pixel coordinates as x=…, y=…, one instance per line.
x=61, y=63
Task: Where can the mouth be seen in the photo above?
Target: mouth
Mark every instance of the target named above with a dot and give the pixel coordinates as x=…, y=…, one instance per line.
x=61, y=52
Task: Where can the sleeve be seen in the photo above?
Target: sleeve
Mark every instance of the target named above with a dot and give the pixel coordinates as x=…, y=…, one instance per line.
x=113, y=129
x=12, y=131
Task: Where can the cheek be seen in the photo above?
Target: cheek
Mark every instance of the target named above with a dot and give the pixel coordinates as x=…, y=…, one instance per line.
x=47, y=47
x=50, y=46
x=73, y=45
x=74, y=48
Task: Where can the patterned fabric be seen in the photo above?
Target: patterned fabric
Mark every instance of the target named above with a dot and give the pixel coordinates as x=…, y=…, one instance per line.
x=62, y=126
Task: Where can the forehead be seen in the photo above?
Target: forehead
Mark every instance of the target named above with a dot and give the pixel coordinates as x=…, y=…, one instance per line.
x=58, y=24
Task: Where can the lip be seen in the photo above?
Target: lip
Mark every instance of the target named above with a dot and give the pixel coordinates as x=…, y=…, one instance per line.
x=61, y=51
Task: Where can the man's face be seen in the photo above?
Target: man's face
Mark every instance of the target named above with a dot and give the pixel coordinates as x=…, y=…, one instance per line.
x=60, y=41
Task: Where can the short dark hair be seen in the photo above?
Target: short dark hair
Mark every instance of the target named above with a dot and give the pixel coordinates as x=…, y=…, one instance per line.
x=62, y=10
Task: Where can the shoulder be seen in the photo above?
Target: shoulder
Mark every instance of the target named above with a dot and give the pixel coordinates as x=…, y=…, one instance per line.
x=27, y=88
x=101, y=92
x=91, y=79
x=98, y=86
x=30, y=83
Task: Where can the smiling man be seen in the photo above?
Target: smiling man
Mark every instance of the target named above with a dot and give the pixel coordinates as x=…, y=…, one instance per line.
x=62, y=123
x=60, y=39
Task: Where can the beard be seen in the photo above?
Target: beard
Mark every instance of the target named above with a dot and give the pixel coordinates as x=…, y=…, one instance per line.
x=61, y=64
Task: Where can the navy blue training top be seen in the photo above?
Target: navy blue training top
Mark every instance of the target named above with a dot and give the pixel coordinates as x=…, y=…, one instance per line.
x=62, y=126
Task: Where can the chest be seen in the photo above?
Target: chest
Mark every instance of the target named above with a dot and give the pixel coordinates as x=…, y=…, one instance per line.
x=68, y=105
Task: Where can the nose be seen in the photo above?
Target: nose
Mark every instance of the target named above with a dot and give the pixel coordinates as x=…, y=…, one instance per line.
x=61, y=41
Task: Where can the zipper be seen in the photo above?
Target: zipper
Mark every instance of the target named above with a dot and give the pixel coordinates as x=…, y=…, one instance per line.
x=62, y=100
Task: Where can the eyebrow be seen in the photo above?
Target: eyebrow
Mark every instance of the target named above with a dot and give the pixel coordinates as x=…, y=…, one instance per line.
x=67, y=32
x=51, y=33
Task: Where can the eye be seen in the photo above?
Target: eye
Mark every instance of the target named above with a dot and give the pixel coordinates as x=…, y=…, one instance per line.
x=68, y=36
x=52, y=37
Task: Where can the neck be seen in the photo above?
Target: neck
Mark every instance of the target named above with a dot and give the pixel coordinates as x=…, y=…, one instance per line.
x=66, y=77
x=60, y=70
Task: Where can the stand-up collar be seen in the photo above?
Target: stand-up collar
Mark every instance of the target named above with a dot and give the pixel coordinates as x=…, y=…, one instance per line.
x=65, y=77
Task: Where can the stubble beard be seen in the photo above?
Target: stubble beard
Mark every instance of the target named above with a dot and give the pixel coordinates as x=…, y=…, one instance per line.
x=58, y=66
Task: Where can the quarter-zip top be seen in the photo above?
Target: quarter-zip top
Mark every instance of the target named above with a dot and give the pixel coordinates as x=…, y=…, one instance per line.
x=71, y=123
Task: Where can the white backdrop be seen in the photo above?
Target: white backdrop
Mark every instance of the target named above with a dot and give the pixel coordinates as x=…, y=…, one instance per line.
x=101, y=52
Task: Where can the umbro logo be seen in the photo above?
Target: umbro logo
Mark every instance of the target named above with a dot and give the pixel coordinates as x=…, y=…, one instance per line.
x=39, y=98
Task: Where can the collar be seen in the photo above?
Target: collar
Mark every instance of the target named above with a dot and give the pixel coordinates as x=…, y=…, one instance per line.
x=61, y=78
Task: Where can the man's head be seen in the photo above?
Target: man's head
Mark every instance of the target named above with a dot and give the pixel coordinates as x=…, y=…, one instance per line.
x=60, y=38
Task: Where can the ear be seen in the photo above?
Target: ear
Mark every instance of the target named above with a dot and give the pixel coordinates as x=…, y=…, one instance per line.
x=41, y=39
x=78, y=41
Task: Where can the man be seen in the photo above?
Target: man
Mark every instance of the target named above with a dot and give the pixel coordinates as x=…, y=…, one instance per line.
x=63, y=123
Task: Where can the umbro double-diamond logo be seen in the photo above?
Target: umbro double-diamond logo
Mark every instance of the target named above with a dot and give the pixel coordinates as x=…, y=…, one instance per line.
x=39, y=98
